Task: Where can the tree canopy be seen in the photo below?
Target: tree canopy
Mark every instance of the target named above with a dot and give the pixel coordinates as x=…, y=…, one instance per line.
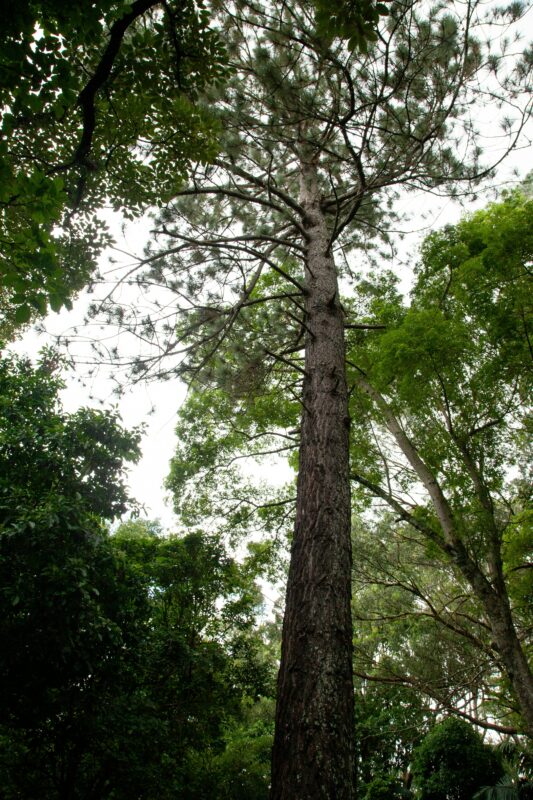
x=445, y=387
x=99, y=108
x=452, y=762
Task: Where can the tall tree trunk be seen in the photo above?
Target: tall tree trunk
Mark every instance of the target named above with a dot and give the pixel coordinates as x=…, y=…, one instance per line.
x=313, y=755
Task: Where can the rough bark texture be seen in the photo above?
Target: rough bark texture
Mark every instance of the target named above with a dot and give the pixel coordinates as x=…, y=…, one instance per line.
x=313, y=745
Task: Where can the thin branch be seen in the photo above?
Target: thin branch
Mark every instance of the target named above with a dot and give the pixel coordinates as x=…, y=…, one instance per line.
x=408, y=681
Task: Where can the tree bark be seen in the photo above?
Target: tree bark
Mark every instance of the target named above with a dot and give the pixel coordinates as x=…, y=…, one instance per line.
x=499, y=616
x=313, y=755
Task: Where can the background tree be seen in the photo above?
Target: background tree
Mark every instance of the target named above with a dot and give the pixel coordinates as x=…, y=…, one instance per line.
x=208, y=673
x=452, y=762
x=391, y=720
x=444, y=388
x=127, y=660
x=416, y=624
x=517, y=781
x=316, y=140
x=219, y=436
x=68, y=626
x=46, y=453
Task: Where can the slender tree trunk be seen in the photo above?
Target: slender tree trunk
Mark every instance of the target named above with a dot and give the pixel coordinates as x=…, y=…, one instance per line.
x=491, y=593
x=498, y=613
x=519, y=671
x=313, y=755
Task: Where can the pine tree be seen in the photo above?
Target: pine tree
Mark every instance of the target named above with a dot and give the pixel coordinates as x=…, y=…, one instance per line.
x=250, y=261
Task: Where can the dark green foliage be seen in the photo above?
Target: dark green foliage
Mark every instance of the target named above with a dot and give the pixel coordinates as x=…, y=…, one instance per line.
x=88, y=90
x=70, y=640
x=517, y=782
x=390, y=721
x=71, y=614
x=206, y=665
x=157, y=677
x=244, y=766
x=46, y=453
x=452, y=762
x=63, y=614
x=386, y=788
x=506, y=789
x=239, y=769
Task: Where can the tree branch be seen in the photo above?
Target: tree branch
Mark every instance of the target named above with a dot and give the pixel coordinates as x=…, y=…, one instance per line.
x=87, y=96
x=408, y=681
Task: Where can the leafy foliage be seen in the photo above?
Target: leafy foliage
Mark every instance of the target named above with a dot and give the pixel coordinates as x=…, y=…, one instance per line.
x=386, y=788
x=390, y=721
x=517, y=781
x=46, y=453
x=127, y=660
x=445, y=399
x=504, y=789
x=219, y=437
x=452, y=762
x=99, y=103
x=170, y=690
x=418, y=626
x=205, y=662
x=68, y=625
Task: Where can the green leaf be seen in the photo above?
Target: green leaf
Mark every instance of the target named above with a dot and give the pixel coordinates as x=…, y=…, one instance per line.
x=39, y=302
x=23, y=314
x=56, y=302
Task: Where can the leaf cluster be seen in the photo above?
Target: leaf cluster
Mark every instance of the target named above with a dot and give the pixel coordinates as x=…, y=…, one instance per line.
x=98, y=108
x=45, y=452
x=452, y=762
x=353, y=20
x=455, y=365
x=132, y=659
